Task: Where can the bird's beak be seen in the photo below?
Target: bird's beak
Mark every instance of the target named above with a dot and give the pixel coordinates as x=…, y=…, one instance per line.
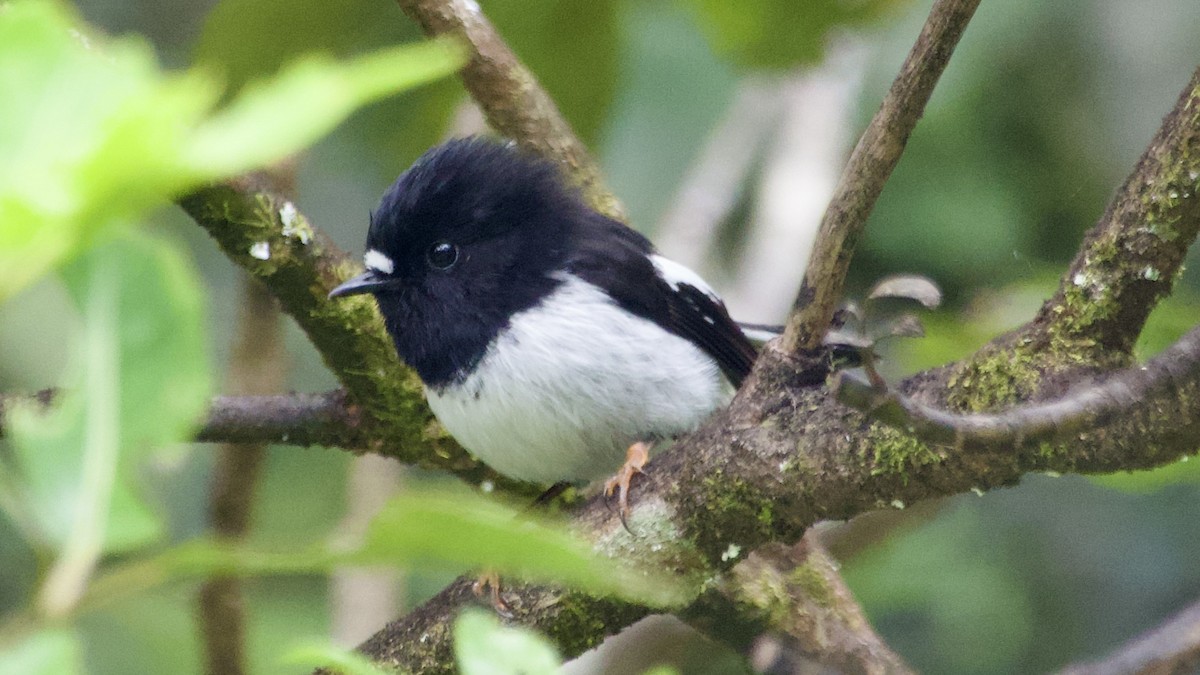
x=367, y=282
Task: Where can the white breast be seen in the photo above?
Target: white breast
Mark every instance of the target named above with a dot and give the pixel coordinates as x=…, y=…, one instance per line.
x=572, y=383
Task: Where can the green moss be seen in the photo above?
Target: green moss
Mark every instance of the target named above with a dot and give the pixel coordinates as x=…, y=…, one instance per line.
x=894, y=452
x=813, y=582
x=993, y=381
x=734, y=512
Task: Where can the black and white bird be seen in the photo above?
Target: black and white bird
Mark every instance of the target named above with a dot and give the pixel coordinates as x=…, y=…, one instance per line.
x=551, y=339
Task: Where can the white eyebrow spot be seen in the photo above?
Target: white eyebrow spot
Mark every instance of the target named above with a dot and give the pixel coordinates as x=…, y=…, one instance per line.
x=374, y=260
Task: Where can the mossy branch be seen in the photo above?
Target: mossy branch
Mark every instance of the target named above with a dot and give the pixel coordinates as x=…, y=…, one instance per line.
x=1159, y=383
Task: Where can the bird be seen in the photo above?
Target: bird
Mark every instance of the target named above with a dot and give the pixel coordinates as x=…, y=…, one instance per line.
x=552, y=340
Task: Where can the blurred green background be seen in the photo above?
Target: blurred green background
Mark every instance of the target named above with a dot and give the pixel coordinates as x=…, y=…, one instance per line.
x=1042, y=112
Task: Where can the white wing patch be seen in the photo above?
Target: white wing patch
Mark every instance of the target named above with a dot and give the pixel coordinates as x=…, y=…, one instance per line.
x=378, y=262
x=674, y=274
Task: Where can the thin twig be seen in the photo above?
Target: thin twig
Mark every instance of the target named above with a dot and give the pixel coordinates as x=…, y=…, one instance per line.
x=255, y=367
x=510, y=96
x=1030, y=425
x=870, y=164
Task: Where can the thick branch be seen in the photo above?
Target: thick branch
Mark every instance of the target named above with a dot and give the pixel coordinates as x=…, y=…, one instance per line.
x=1132, y=258
x=806, y=610
x=866, y=172
x=1170, y=649
x=1127, y=263
x=511, y=99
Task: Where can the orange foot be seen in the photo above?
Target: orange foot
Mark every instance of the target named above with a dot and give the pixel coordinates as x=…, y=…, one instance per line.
x=489, y=581
x=635, y=458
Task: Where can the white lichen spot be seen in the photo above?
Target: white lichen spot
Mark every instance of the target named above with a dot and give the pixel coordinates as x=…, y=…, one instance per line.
x=1151, y=273
x=287, y=215
x=656, y=547
x=897, y=504
x=978, y=492
x=1080, y=279
x=487, y=486
x=472, y=6
x=1054, y=474
x=731, y=553
x=292, y=225
x=1184, y=458
x=261, y=250
x=1173, y=194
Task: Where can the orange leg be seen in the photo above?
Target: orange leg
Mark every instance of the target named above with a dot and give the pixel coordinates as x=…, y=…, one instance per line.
x=635, y=458
x=489, y=582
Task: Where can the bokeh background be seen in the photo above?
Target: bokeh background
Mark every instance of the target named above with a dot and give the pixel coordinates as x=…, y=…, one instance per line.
x=722, y=128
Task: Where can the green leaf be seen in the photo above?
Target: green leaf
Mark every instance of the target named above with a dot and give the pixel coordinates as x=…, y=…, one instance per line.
x=47, y=652
x=332, y=659
x=141, y=379
x=93, y=134
x=436, y=529
x=423, y=528
x=246, y=40
x=484, y=647
x=87, y=136
x=270, y=120
x=778, y=33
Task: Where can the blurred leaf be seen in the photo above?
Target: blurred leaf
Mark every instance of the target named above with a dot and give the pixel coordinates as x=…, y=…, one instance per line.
x=91, y=138
x=87, y=136
x=141, y=380
x=437, y=529
x=333, y=659
x=303, y=103
x=573, y=49
x=1185, y=471
x=47, y=652
x=484, y=647
x=908, y=287
x=778, y=33
x=423, y=528
x=247, y=40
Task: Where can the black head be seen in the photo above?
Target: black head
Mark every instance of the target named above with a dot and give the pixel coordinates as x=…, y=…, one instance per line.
x=471, y=234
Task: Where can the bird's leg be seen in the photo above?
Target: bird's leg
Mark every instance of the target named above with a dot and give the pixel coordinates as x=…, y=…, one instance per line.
x=635, y=458
x=489, y=582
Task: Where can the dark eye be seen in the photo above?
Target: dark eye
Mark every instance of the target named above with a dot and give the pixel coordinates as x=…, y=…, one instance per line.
x=442, y=255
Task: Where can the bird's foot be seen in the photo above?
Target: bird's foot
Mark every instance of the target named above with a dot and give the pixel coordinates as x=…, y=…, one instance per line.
x=488, y=583
x=635, y=458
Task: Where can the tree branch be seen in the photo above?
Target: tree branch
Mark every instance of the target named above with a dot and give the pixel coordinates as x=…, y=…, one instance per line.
x=1157, y=382
x=807, y=612
x=1128, y=262
x=256, y=366
x=866, y=172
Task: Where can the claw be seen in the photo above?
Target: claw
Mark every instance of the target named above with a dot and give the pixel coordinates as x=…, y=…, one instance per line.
x=489, y=582
x=635, y=458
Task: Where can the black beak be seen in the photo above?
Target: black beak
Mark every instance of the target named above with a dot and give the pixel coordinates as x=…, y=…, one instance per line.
x=367, y=282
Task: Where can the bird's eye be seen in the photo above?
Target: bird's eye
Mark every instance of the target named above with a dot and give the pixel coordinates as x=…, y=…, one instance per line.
x=442, y=255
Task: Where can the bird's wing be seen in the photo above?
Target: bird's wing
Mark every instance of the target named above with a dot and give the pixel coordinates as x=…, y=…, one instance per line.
x=623, y=263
